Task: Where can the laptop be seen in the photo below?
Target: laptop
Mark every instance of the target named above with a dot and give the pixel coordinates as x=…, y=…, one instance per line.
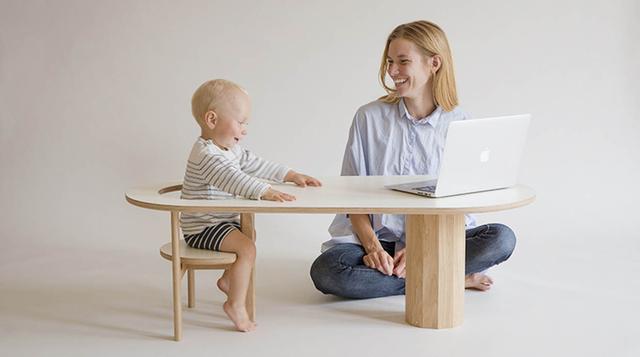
x=479, y=155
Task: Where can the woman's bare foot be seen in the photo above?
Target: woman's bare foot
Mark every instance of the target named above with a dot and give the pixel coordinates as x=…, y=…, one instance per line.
x=239, y=317
x=223, y=283
x=478, y=281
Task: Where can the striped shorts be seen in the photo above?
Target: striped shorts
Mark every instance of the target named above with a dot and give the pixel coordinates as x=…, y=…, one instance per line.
x=211, y=237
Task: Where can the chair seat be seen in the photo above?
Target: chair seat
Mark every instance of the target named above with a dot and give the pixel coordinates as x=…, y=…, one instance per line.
x=201, y=257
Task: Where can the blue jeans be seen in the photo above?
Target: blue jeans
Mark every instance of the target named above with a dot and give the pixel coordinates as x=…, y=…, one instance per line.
x=340, y=270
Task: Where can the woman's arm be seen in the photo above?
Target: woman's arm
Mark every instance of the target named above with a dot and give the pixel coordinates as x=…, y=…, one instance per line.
x=376, y=257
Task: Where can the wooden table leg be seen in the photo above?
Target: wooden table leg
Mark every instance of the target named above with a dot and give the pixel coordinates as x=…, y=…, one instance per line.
x=247, y=223
x=435, y=270
x=177, y=276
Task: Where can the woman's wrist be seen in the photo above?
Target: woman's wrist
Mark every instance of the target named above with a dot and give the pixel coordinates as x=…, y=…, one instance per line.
x=372, y=246
x=364, y=232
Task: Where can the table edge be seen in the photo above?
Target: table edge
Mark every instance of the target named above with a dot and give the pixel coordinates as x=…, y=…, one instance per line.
x=330, y=210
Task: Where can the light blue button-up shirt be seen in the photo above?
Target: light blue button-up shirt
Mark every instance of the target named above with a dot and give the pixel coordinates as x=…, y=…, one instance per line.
x=386, y=140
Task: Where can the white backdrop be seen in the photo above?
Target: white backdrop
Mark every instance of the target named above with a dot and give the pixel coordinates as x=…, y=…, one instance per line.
x=94, y=98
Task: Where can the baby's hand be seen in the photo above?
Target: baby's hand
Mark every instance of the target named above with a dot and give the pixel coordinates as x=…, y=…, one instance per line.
x=275, y=195
x=301, y=179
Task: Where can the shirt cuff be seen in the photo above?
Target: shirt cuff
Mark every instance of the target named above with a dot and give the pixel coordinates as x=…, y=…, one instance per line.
x=261, y=190
x=280, y=174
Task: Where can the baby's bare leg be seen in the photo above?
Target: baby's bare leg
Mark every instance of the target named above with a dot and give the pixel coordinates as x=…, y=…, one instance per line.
x=223, y=282
x=238, y=277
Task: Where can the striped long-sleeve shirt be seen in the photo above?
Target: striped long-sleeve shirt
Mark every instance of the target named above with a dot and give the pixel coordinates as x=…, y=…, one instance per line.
x=216, y=174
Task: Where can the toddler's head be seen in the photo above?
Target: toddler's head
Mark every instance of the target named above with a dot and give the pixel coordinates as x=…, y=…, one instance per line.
x=222, y=109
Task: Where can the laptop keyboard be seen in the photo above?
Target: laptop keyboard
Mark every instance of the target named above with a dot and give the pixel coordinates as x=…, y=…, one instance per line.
x=428, y=188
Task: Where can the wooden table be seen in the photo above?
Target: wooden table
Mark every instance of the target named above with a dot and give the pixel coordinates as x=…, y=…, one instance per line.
x=435, y=230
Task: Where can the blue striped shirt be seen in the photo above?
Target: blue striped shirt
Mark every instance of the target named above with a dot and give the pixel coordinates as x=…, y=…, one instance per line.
x=386, y=140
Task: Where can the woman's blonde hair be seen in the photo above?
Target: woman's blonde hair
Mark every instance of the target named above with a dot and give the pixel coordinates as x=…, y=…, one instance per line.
x=430, y=40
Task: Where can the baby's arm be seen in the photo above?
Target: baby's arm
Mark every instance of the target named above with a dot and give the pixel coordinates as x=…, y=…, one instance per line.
x=259, y=167
x=223, y=174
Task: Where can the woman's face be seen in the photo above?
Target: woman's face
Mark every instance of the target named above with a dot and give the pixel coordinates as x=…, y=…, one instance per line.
x=408, y=68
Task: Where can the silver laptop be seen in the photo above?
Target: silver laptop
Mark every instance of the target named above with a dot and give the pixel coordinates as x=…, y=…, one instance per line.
x=479, y=155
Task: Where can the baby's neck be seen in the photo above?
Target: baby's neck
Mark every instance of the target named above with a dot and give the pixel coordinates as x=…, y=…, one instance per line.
x=207, y=136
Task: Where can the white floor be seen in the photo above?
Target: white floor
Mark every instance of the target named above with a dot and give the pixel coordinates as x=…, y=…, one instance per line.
x=116, y=300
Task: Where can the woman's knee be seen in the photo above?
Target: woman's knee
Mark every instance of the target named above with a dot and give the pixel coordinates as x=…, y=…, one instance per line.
x=505, y=240
x=322, y=272
x=329, y=272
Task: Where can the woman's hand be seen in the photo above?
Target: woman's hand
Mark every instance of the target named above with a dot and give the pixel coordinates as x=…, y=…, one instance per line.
x=301, y=179
x=379, y=260
x=400, y=263
x=275, y=195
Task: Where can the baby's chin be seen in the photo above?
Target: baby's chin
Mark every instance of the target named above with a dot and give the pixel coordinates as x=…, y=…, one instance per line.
x=235, y=142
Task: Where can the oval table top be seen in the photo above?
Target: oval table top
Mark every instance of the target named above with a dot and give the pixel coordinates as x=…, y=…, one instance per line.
x=338, y=194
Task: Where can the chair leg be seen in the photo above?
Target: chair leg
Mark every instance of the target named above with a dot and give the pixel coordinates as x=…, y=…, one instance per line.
x=191, y=282
x=177, y=276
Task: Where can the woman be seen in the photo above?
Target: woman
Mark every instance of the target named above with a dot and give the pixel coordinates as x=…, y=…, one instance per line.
x=402, y=133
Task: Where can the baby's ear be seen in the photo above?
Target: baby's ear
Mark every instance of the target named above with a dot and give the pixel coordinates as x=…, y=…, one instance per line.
x=210, y=119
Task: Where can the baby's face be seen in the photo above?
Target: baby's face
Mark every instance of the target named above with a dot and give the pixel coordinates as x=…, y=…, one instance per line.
x=233, y=118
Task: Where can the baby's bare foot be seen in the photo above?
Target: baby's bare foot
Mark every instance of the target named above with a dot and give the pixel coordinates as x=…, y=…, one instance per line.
x=239, y=317
x=478, y=281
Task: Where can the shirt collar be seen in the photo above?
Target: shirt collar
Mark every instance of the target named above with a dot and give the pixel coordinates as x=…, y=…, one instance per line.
x=431, y=119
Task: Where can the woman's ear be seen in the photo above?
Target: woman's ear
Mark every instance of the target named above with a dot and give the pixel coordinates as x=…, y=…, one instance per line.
x=436, y=63
x=210, y=119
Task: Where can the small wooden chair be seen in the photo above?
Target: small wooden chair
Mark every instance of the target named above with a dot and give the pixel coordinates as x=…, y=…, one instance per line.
x=192, y=259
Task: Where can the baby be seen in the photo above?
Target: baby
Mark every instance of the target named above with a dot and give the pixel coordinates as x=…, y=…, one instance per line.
x=219, y=168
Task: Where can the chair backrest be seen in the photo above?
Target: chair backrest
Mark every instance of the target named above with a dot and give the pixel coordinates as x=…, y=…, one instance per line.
x=168, y=189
